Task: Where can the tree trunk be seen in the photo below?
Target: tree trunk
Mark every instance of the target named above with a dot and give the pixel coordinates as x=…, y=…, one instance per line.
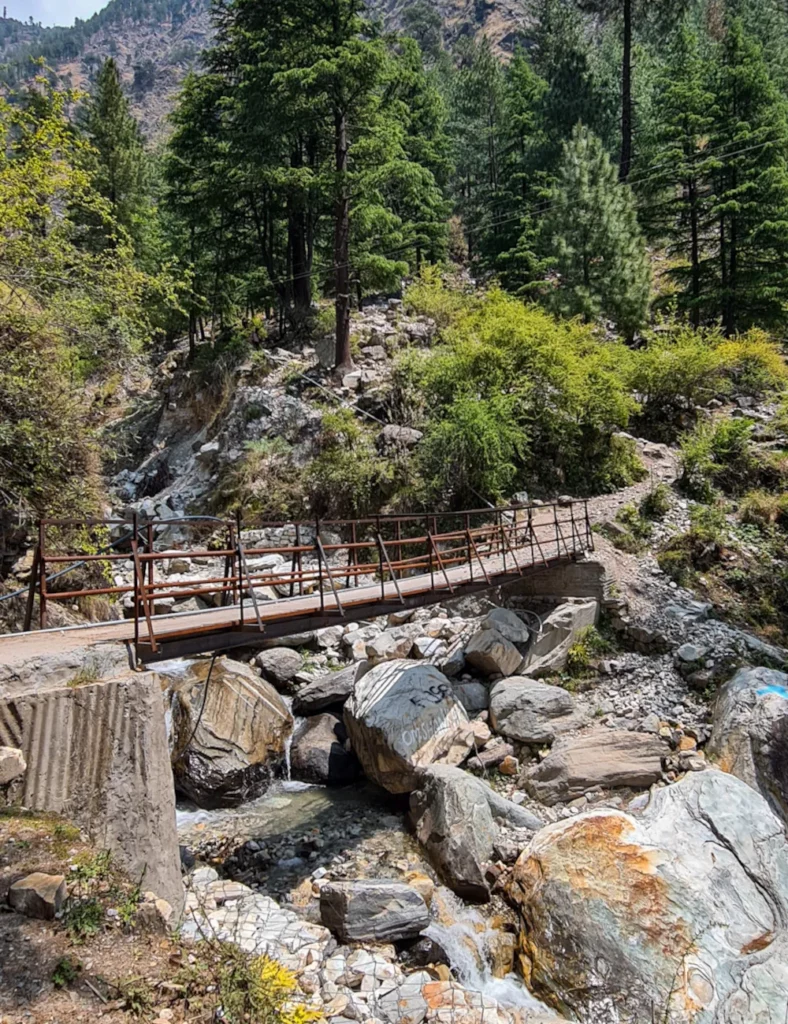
x=343, y=358
x=695, y=251
x=626, y=96
x=297, y=230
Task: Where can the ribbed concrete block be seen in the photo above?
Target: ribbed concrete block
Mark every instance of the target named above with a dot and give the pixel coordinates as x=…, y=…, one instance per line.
x=98, y=755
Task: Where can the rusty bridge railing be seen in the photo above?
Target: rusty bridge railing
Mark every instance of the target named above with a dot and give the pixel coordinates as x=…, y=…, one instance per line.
x=233, y=561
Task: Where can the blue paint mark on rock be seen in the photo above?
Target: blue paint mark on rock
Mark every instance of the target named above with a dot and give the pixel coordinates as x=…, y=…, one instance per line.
x=780, y=691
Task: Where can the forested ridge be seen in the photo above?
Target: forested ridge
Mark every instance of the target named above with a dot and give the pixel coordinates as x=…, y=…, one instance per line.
x=595, y=226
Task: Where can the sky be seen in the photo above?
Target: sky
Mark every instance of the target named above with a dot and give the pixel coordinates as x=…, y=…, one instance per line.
x=52, y=12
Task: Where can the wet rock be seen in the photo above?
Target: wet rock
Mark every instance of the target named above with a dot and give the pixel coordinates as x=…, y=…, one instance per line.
x=373, y=911
x=320, y=754
x=329, y=691
x=492, y=654
x=683, y=908
x=597, y=757
x=225, y=742
x=530, y=711
x=12, y=764
x=560, y=631
x=38, y=895
x=750, y=732
x=279, y=666
x=455, y=818
x=403, y=716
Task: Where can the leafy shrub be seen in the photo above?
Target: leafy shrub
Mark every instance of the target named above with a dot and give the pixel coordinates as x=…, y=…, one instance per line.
x=550, y=396
x=681, y=368
x=266, y=482
x=762, y=509
x=637, y=530
x=699, y=548
x=718, y=454
x=347, y=478
x=429, y=296
x=588, y=645
x=248, y=987
x=66, y=971
x=656, y=503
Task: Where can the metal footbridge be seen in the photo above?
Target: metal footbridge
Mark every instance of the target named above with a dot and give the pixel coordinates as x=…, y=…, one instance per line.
x=247, y=582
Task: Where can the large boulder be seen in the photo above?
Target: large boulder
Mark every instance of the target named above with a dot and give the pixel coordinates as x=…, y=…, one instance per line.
x=560, y=630
x=530, y=711
x=373, y=911
x=508, y=624
x=750, y=732
x=492, y=654
x=226, y=742
x=391, y=645
x=597, y=757
x=403, y=716
x=320, y=752
x=279, y=666
x=456, y=818
x=329, y=691
x=680, y=915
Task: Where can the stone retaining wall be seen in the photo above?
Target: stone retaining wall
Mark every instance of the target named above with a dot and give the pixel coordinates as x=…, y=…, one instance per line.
x=98, y=755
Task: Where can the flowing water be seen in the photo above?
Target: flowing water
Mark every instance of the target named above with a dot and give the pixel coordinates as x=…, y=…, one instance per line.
x=467, y=938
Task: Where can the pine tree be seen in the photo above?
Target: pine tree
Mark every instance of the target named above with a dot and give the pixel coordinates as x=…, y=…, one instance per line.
x=630, y=12
x=749, y=148
x=118, y=161
x=599, y=251
x=679, y=187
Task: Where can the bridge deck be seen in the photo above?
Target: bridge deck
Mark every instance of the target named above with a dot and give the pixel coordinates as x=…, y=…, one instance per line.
x=513, y=549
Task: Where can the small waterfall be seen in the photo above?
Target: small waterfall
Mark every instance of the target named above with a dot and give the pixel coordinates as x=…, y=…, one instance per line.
x=289, y=741
x=467, y=941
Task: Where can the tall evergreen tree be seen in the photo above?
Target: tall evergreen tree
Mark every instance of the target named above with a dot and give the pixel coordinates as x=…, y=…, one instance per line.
x=117, y=161
x=749, y=149
x=599, y=251
x=679, y=186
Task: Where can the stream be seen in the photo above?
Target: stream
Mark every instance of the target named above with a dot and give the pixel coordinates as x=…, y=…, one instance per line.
x=298, y=832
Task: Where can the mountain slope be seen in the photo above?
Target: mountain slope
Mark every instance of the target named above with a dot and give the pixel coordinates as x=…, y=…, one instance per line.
x=155, y=42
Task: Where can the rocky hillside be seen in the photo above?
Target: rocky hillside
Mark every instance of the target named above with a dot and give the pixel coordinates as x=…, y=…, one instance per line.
x=156, y=43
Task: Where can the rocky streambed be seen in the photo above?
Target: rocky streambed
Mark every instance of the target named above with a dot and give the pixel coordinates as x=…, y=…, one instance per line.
x=518, y=844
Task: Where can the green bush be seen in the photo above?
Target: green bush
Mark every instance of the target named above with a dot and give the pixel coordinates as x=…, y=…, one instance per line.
x=347, y=478
x=589, y=644
x=718, y=454
x=762, y=509
x=657, y=503
x=681, y=368
x=550, y=398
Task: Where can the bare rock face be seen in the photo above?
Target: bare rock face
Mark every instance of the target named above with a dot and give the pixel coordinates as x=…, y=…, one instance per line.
x=241, y=729
x=530, y=711
x=598, y=757
x=373, y=911
x=455, y=817
x=680, y=915
x=750, y=733
x=38, y=895
x=492, y=654
x=403, y=716
x=12, y=764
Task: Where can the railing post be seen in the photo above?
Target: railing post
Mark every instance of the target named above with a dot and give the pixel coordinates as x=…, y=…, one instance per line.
x=42, y=590
x=31, y=593
x=380, y=560
x=589, y=531
x=150, y=552
x=238, y=539
x=429, y=549
x=135, y=526
x=500, y=539
x=319, y=565
x=557, y=531
x=297, y=559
